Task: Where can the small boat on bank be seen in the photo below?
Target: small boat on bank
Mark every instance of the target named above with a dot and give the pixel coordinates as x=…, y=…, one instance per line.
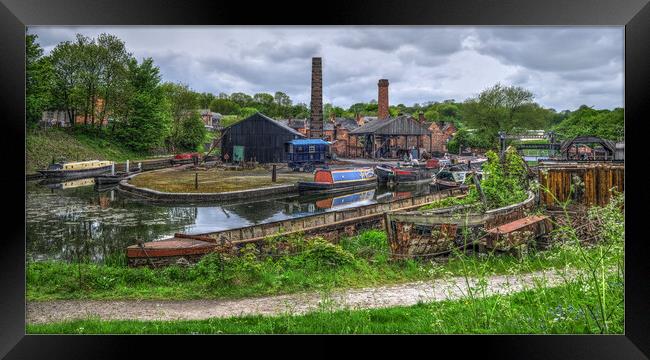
x=114, y=179
x=338, y=180
x=446, y=179
x=407, y=174
x=79, y=169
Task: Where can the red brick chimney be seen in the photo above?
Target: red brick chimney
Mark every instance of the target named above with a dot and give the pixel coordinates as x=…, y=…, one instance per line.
x=316, y=124
x=382, y=99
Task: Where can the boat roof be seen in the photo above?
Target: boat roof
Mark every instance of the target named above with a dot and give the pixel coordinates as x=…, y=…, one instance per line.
x=309, y=142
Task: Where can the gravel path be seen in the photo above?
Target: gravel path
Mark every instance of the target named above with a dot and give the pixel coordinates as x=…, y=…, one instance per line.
x=379, y=297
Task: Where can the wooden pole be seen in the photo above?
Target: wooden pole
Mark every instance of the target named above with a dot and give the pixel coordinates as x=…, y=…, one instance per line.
x=273, y=175
x=196, y=181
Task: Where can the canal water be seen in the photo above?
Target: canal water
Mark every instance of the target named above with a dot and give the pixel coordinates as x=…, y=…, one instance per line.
x=77, y=220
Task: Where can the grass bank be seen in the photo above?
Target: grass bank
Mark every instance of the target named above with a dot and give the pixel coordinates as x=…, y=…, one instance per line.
x=567, y=309
x=215, y=180
x=314, y=265
x=42, y=145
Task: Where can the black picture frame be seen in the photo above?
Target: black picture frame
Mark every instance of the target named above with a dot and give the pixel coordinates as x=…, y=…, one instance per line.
x=633, y=14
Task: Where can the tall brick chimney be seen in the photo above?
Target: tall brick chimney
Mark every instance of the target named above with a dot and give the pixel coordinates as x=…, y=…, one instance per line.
x=382, y=99
x=316, y=124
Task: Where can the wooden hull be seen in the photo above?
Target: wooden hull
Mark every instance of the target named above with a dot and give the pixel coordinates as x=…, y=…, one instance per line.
x=438, y=184
x=69, y=174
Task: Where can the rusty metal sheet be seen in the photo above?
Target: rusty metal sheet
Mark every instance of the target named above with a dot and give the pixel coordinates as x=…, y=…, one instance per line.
x=517, y=224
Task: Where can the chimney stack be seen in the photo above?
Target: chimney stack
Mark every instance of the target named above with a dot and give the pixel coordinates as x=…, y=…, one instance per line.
x=316, y=124
x=421, y=117
x=359, y=119
x=382, y=99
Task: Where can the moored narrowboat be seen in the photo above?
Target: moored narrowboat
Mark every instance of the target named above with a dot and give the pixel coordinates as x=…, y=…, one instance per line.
x=338, y=180
x=407, y=174
x=78, y=169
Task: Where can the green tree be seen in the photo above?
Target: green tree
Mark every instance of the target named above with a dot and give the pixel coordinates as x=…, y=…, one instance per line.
x=607, y=124
x=431, y=115
x=193, y=132
x=147, y=119
x=184, y=104
x=39, y=79
x=205, y=99
x=247, y=111
x=241, y=99
x=224, y=106
x=502, y=108
x=282, y=99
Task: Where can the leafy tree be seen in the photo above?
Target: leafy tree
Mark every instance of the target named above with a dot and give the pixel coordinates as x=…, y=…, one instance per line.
x=39, y=81
x=193, y=132
x=263, y=99
x=282, y=99
x=502, y=108
x=241, y=99
x=607, y=124
x=247, y=111
x=147, y=119
x=224, y=106
x=431, y=115
x=184, y=104
x=205, y=99
x=66, y=65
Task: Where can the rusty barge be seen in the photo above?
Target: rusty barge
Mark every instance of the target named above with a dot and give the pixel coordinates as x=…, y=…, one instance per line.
x=183, y=248
x=428, y=233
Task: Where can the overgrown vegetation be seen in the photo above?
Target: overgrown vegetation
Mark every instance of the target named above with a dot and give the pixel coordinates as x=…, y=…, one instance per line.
x=503, y=184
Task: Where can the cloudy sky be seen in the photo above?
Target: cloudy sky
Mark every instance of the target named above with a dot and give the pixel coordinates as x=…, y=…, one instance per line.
x=564, y=67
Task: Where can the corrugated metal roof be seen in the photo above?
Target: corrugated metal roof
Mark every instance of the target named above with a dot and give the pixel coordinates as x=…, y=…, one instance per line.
x=400, y=125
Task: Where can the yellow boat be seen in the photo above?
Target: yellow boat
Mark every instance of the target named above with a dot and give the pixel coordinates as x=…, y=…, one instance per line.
x=77, y=169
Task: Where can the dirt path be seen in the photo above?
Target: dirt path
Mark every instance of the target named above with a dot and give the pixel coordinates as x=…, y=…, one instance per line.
x=379, y=297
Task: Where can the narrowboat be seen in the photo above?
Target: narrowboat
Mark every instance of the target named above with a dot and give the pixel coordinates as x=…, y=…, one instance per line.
x=338, y=180
x=407, y=174
x=116, y=178
x=80, y=169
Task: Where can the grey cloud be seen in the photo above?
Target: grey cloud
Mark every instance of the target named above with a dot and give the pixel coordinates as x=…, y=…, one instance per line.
x=552, y=49
x=564, y=67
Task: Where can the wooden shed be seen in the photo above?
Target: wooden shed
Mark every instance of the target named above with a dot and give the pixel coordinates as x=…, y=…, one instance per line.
x=263, y=138
x=390, y=137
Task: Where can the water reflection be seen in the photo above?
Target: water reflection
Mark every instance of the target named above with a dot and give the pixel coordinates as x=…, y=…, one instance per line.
x=79, y=220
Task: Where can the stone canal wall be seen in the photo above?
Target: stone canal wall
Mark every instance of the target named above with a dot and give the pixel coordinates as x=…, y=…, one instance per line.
x=165, y=197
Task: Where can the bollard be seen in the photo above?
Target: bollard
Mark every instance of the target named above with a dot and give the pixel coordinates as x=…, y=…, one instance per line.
x=140, y=165
x=196, y=181
x=273, y=175
x=113, y=169
x=127, y=166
